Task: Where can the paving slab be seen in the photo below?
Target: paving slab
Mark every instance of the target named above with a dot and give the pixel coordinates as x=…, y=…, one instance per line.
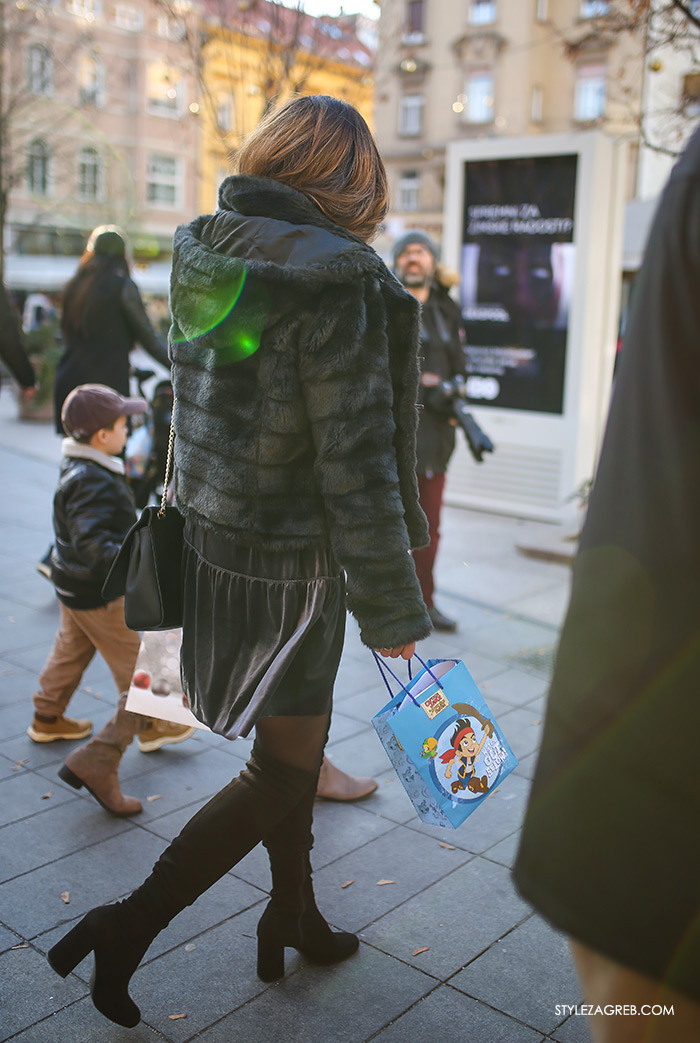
x=205, y=979
x=522, y=728
x=410, y=861
x=53, y=833
x=31, y=904
x=531, y=951
x=26, y=795
x=575, y=1029
x=505, y=851
x=347, y=1003
x=79, y=1022
x=29, y=990
x=446, y=1015
x=457, y=918
x=15, y=682
x=548, y=606
x=515, y=687
x=526, y=766
x=8, y=940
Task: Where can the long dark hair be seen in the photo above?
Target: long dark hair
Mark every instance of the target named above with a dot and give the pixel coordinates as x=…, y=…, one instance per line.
x=85, y=294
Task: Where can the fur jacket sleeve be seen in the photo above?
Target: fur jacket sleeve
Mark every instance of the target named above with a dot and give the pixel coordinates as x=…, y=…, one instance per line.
x=358, y=429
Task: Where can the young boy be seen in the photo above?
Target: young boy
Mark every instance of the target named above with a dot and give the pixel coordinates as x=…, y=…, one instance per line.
x=93, y=510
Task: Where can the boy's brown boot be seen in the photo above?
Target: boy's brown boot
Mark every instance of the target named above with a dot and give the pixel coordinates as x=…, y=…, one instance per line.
x=45, y=729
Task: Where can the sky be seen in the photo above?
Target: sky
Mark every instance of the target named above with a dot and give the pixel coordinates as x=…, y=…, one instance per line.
x=318, y=7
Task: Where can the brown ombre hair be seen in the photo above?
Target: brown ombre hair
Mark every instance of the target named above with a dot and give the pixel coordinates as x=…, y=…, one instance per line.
x=322, y=147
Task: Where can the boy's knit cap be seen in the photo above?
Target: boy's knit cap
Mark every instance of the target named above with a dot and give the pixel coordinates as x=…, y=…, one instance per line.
x=90, y=407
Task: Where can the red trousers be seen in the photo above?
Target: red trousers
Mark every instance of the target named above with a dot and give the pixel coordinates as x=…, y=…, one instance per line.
x=430, y=490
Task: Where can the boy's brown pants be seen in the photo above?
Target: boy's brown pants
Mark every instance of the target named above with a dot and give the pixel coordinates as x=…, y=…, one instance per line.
x=82, y=633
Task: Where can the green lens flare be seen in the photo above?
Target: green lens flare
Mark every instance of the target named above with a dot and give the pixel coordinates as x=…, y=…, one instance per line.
x=212, y=309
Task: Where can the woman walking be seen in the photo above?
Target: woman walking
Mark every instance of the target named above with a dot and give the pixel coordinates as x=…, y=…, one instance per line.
x=102, y=318
x=294, y=363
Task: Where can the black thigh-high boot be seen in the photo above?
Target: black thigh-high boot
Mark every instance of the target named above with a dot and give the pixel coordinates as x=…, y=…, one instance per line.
x=291, y=918
x=212, y=842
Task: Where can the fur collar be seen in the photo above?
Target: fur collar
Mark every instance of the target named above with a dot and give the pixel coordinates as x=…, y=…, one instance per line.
x=279, y=234
x=83, y=451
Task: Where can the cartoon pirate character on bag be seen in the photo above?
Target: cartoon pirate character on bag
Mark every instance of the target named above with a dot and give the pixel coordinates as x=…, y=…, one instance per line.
x=464, y=750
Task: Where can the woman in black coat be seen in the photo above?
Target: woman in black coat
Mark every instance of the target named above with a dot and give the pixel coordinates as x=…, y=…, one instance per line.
x=295, y=369
x=102, y=318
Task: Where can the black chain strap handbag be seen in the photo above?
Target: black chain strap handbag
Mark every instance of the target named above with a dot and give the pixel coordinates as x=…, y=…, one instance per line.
x=147, y=570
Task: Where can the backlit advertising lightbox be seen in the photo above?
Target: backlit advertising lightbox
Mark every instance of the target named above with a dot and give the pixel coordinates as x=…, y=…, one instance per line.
x=533, y=227
x=517, y=274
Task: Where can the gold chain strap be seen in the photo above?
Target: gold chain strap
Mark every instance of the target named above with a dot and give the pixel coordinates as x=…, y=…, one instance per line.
x=168, y=463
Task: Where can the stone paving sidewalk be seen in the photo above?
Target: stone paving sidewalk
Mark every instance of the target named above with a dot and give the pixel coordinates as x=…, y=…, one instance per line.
x=448, y=949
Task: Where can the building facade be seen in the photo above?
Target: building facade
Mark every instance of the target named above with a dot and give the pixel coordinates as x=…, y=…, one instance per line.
x=98, y=129
x=259, y=53
x=470, y=69
x=125, y=112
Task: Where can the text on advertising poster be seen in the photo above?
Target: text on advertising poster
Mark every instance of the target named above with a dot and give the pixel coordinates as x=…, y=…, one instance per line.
x=518, y=255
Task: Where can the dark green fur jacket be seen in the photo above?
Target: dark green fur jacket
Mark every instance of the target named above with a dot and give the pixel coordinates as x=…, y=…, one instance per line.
x=294, y=364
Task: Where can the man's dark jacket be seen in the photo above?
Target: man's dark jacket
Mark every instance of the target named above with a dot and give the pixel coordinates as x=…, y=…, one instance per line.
x=93, y=510
x=294, y=364
x=442, y=351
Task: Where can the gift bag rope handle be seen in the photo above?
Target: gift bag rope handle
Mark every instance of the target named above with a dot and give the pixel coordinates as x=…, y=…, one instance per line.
x=168, y=463
x=383, y=665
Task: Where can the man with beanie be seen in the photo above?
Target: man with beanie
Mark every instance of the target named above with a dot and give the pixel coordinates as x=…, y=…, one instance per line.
x=442, y=358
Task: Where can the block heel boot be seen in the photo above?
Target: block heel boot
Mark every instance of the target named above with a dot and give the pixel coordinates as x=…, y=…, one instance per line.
x=291, y=918
x=118, y=945
x=302, y=928
x=213, y=841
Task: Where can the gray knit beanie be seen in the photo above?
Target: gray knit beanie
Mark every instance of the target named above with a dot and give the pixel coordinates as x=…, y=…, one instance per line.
x=414, y=235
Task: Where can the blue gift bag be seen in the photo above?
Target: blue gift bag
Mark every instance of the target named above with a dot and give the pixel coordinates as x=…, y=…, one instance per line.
x=443, y=741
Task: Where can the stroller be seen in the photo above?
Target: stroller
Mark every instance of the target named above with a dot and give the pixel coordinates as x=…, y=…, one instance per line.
x=147, y=445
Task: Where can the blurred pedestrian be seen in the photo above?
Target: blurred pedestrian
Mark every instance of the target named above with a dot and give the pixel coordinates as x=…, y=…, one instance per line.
x=610, y=849
x=102, y=318
x=12, y=350
x=294, y=366
x=442, y=359
x=93, y=511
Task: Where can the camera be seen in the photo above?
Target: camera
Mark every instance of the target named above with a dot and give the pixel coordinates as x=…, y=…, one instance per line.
x=454, y=392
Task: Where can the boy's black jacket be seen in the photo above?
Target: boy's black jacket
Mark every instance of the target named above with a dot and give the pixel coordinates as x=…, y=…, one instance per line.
x=93, y=510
